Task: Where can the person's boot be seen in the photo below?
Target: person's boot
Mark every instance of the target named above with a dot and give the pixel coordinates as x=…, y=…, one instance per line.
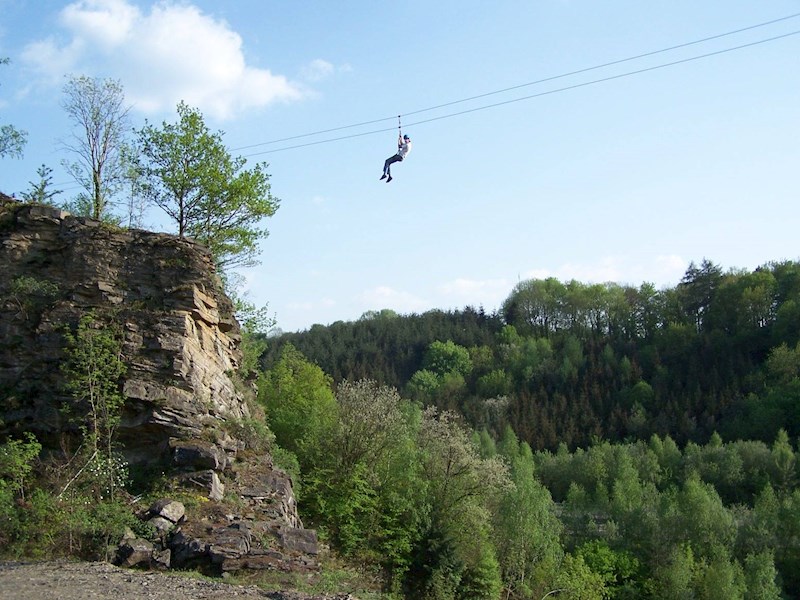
x=383, y=176
x=388, y=180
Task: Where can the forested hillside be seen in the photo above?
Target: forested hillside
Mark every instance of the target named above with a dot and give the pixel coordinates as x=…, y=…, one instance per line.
x=571, y=362
x=587, y=441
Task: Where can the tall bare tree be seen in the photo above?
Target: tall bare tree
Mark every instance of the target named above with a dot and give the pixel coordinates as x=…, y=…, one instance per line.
x=97, y=109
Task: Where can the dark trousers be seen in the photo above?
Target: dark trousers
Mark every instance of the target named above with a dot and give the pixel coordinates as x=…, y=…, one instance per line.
x=392, y=159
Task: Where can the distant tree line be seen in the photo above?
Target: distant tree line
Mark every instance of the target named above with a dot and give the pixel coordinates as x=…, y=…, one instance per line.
x=572, y=362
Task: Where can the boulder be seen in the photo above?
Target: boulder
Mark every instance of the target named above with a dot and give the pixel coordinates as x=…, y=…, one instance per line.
x=228, y=542
x=187, y=550
x=133, y=552
x=161, y=524
x=299, y=540
x=171, y=510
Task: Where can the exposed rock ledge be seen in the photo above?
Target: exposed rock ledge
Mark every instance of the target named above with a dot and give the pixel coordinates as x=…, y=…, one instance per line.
x=181, y=340
x=181, y=346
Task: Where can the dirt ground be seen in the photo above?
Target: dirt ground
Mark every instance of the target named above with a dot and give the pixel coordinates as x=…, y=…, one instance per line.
x=98, y=580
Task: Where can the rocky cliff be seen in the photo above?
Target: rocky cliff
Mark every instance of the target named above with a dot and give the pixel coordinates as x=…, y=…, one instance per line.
x=181, y=348
x=181, y=340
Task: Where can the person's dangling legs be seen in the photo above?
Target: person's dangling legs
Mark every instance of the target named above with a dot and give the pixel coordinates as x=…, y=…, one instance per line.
x=387, y=170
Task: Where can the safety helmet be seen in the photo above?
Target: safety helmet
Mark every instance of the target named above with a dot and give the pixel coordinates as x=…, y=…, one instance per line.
x=405, y=137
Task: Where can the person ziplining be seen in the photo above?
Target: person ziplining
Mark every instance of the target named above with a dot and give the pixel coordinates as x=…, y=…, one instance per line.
x=403, y=148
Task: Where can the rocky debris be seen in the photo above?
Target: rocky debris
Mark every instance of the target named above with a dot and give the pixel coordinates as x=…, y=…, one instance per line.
x=263, y=532
x=99, y=581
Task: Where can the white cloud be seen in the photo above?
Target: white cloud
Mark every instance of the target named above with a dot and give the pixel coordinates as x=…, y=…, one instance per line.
x=173, y=52
x=662, y=270
x=606, y=269
x=105, y=22
x=383, y=296
x=311, y=306
x=317, y=70
x=473, y=292
x=51, y=60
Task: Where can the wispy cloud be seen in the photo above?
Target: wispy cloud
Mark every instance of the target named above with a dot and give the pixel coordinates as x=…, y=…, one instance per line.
x=167, y=53
x=660, y=270
x=475, y=292
x=383, y=296
x=311, y=306
x=319, y=69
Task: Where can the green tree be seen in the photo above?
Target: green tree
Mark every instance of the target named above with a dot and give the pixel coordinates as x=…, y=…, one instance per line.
x=784, y=463
x=93, y=369
x=783, y=364
x=461, y=484
x=480, y=579
x=577, y=581
x=447, y=357
x=457, y=474
x=17, y=458
x=787, y=552
x=97, y=109
x=702, y=520
x=187, y=171
x=12, y=140
x=697, y=290
x=674, y=580
x=720, y=579
x=618, y=569
x=423, y=386
x=536, y=306
x=300, y=403
x=29, y=295
x=494, y=383
x=364, y=487
x=41, y=192
x=526, y=531
x=761, y=577
x=16, y=464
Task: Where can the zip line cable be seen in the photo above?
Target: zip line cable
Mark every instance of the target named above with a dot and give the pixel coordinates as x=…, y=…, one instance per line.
x=608, y=64
x=522, y=85
x=516, y=87
x=537, y=95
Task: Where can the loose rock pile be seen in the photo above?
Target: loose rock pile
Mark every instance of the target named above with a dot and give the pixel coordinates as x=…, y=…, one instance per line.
x=257, y=528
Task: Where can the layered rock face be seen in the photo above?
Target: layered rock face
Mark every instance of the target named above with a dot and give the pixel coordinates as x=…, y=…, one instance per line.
x=181, y=348
x=180, y=338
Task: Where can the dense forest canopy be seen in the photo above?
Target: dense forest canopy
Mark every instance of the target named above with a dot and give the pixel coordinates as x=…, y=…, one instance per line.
x=567, y=362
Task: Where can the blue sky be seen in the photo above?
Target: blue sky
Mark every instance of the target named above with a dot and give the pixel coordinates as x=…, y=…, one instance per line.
x=627, y=180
